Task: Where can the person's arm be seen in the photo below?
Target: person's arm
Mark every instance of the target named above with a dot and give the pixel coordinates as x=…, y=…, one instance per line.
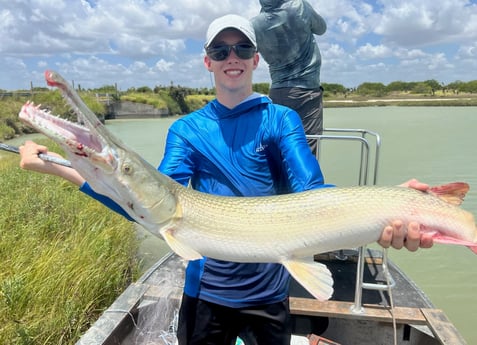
x=176, y=163
x=299, y=164
x=29, y=160
x=318, y=24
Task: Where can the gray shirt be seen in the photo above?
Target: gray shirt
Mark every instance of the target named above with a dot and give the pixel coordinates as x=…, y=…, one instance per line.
x=285, y=32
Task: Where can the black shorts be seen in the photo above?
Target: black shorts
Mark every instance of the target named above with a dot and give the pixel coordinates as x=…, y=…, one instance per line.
x=205, y=323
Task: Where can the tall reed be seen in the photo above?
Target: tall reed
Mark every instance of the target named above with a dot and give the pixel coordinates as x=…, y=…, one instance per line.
x=64, y=258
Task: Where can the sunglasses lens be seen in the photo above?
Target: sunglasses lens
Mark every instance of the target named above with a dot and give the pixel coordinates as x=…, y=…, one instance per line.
x=219, y=53
x=244, y=51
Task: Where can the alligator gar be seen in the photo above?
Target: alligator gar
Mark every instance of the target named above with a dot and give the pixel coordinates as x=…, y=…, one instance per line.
x=287, y=229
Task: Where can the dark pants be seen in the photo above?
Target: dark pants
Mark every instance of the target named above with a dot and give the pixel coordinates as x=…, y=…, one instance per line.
x=205, y=323
x=308, y=103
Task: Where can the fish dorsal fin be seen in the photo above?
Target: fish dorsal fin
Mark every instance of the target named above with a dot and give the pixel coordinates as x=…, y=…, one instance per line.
x=179, y=248
x=453, y=193
x=313, y=276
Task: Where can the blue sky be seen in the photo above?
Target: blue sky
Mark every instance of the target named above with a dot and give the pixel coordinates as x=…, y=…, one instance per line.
x=159, y=42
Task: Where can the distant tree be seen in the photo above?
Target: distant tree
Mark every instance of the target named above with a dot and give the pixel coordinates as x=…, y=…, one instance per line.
x=334, y=88
x=372, y=89
x=206, y=91
x=159, y=88
x=456, y=86
x=398, y=86
x=144, y=89
x=263, y=88
x=422, y=88
x=434, y=85
x=470, y=86
x=106, y=89
x=178, y=94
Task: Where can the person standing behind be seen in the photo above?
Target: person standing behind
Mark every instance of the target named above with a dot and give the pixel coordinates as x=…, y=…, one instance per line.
x=285, y=32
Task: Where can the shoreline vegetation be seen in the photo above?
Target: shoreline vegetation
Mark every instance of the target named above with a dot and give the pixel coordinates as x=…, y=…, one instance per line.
x=11, y=127
x=177, y=100
x=403, y=101
x=64, y=259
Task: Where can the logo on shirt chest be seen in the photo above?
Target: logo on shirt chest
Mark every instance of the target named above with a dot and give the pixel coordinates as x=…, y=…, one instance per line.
x=261, y=148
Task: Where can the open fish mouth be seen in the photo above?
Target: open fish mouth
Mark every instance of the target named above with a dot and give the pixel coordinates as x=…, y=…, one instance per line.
x=83, y=139
x=77, y=137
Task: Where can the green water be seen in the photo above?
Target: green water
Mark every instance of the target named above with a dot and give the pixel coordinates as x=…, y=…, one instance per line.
x=434, y=144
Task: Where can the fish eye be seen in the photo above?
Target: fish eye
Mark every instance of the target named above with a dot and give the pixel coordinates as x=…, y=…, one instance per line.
x=127, y=169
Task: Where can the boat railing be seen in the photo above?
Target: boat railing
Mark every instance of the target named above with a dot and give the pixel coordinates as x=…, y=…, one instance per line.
x=370, y=143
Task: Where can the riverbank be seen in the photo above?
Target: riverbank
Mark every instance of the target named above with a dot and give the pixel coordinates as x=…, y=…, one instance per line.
x=430, y=101
x=131, y=110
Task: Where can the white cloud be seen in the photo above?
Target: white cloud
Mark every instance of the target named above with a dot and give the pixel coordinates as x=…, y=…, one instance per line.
x=156, y=42
x=369, y=51
x=404, y=53
x=468, y=52
x=427, y=22
x=163, y=66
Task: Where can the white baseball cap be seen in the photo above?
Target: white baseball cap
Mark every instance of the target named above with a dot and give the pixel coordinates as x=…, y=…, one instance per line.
x=230, y=21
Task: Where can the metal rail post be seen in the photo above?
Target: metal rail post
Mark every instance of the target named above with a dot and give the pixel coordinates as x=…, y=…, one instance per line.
x=365, y=170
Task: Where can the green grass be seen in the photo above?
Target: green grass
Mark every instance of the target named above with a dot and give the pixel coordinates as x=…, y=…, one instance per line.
x=64, y=257
x=198, y=101
x=146, y=98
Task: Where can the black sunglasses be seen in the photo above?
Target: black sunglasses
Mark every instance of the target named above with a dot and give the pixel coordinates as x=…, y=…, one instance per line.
x=222, y=51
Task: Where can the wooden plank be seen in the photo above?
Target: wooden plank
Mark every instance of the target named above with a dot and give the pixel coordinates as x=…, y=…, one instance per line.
x=337, y=309
x=442, y=328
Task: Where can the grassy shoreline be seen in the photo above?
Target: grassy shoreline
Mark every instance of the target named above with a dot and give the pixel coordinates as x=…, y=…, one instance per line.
x=65, y=258
x=401, y=101
x=11, y=127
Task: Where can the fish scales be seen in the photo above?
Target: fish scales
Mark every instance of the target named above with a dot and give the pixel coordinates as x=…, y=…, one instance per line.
x=311, y=222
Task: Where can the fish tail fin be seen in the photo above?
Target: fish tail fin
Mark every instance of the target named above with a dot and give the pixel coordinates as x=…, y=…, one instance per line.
x=453, y=193
x=313, y=276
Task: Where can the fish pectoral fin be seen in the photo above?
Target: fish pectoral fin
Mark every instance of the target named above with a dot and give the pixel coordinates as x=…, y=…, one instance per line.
x=179, y=248
x=313, y=276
